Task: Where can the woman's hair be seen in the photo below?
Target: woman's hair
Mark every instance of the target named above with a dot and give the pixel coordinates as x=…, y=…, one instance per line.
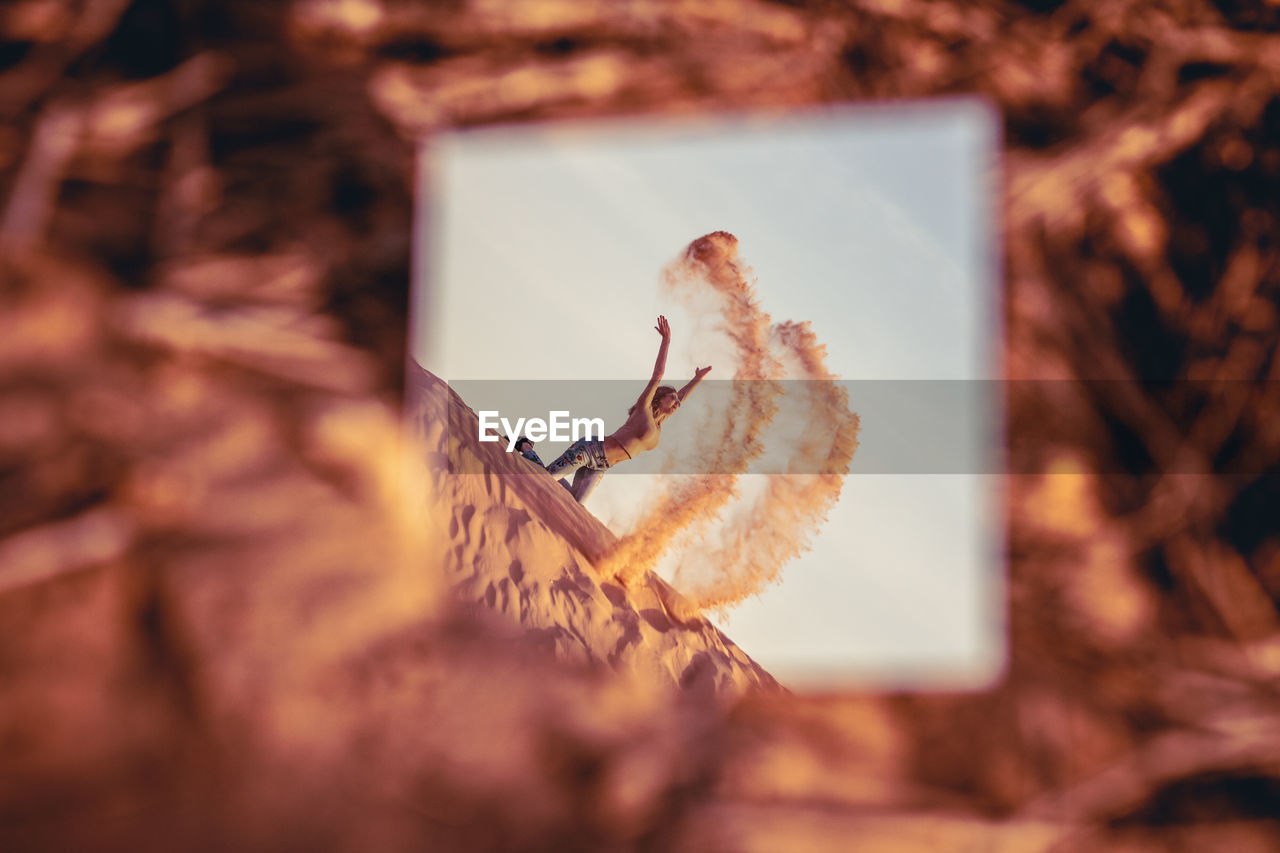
x=659, y=394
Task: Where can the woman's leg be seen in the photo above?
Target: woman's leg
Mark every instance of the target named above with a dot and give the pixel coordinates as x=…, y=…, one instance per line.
x=587, y=464
x=585, y=481
x=574, y=457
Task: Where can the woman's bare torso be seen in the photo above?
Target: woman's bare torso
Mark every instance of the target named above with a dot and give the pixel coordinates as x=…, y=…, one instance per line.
x=640, y=433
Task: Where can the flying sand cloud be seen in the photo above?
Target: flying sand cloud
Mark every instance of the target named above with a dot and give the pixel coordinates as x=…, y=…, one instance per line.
x=739, y=556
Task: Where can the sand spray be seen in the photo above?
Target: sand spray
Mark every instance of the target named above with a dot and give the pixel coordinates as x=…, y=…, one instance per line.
x=733, y=548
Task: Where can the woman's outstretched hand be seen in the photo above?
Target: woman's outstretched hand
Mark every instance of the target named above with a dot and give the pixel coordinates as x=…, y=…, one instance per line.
x=664, y=328
x=702, y=371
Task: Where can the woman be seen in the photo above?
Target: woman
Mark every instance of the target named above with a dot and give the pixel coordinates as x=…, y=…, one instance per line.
x=588, y=459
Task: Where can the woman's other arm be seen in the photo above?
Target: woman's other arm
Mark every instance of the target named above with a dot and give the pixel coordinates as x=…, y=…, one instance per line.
x=693, y=383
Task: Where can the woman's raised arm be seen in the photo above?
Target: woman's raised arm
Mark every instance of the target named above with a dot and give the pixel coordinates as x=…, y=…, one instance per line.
x=659, y=366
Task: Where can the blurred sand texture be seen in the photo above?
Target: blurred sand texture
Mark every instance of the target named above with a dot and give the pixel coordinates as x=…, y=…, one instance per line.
x=226, y=622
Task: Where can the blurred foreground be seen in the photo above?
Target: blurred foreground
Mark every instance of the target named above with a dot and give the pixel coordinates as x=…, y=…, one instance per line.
x=222, y=623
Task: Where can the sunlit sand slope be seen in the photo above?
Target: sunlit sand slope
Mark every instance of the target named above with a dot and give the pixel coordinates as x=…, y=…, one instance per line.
x=520, y=548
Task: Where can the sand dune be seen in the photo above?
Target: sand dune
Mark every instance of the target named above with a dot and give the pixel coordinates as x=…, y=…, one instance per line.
x=521, y=551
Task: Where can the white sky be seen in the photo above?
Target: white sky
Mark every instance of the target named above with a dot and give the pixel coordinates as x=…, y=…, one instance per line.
x=540, y=251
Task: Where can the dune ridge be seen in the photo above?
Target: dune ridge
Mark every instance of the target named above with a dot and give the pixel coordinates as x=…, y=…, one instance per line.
x=523, y=555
